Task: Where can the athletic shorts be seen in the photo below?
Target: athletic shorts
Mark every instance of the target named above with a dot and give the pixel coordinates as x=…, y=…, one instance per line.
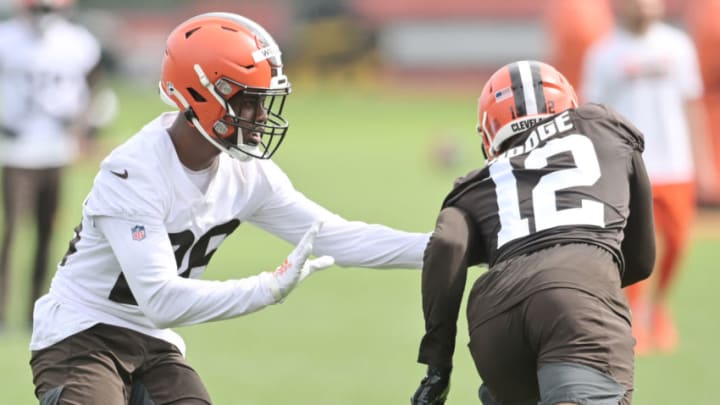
x=23, y=187
x=555, y=328
x=101, y=365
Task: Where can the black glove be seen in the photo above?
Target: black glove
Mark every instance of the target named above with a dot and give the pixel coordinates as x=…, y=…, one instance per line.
x=434, y=387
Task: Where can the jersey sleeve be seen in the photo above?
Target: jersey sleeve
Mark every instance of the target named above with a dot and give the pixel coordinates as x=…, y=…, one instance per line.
x=689, y=76
x=608, y=118
x=89, y=50
x=126, y=188
x=638, y=245
x=6, y=39
x=463, y=184
x=444, y=275
x=288, y=214
x=148, y=264
x=627, y=130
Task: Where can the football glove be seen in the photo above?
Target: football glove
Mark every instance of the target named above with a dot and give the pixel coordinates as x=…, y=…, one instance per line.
x=434, y=387
x=296, y=267
x=313, y=265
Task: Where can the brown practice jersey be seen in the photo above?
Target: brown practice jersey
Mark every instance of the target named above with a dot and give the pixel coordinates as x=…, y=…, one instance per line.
x=567, y=180
x=574, y=178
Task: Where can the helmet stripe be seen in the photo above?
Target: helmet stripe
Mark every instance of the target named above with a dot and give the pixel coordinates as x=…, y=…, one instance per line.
x=517, y=88
x=528, y=89
x=538, y=88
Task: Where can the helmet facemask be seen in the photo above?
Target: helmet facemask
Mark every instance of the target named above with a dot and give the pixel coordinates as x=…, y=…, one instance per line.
x=486, y=141
x=267, y=122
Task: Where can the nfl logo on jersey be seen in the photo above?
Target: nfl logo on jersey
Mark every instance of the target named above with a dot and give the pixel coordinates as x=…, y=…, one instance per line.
x=138, y=232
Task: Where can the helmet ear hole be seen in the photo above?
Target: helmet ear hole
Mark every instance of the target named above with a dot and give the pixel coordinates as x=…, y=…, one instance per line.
x=195, y=95
x=192, y=31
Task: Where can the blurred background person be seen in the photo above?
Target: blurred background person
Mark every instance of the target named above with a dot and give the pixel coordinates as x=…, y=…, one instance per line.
x=648, y=71
x=49, y=68
x=705, y=31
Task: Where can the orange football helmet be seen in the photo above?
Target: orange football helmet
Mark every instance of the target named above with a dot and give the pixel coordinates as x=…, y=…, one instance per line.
x=212, y=57
x=516, y=97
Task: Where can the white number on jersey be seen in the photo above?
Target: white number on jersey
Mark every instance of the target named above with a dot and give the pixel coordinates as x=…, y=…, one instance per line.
x=545, y=212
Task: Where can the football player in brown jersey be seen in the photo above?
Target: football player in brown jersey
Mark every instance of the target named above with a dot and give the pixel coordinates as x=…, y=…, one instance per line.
x=562, y=215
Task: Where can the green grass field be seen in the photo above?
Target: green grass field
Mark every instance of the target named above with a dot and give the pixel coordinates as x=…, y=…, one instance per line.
x=350, y=336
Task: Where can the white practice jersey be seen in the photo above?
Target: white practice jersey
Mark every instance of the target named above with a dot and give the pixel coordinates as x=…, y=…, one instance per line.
x=649, y=79
x=148, y=233
x=43, y=89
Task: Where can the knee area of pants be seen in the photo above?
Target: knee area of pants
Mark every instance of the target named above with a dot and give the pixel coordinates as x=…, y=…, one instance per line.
x=52, y=396
x=487, y=398
x=577, y=383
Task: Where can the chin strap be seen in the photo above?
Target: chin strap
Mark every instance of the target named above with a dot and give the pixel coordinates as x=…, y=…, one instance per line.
x=192, y=118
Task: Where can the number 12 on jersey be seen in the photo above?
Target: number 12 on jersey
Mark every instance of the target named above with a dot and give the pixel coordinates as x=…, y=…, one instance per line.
x=544, y=205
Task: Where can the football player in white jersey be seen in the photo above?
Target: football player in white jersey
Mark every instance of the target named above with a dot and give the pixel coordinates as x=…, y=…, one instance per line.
x=648, y=71
x=48, y=70
x=162, y=203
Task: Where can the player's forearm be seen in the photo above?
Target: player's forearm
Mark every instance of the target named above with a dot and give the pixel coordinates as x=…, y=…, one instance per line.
x=638, y=246
x=351, y=243
x=357, y=244
x=167, y=299
x=180, y=301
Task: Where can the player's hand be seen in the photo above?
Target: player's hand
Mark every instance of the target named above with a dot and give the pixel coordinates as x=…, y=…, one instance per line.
x=297, y=266
x=313, y=265
x=434, y=387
